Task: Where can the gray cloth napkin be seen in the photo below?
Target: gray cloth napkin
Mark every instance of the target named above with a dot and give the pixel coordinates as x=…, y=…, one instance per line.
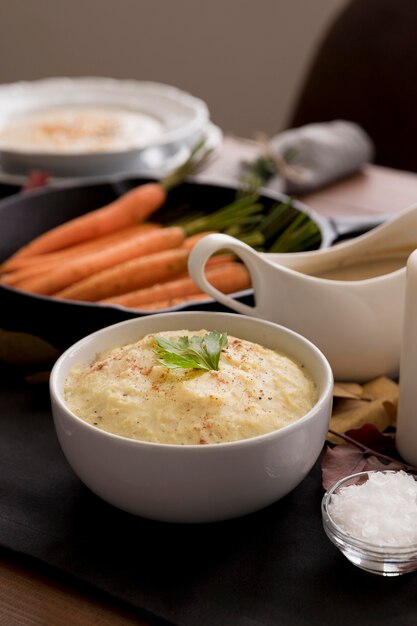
x=315, y=155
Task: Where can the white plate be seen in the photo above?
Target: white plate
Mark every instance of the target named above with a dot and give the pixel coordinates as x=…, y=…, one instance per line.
x=135, y=116
x=156, y=161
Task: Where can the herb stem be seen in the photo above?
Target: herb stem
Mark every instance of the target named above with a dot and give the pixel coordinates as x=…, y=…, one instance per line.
x=370, y=451
x=194, y=162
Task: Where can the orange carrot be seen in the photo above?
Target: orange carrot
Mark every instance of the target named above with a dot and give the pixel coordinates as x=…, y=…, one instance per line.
x=15, y=263
x=35, y=266
x=134, y=274
x=16, y=277
x=166, y=304
x=227, y=278
x=134, y=206
x=190, y=242
x=217, y=259
x=220, y=259
x=80, y=268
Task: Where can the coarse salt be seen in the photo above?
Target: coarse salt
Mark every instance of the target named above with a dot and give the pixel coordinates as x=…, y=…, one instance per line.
x=381, y=511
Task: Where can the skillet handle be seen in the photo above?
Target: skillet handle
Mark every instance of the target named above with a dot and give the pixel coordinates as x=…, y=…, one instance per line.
x=354, y=225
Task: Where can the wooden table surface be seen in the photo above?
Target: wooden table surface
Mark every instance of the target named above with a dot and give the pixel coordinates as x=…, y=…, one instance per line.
x=30, y=593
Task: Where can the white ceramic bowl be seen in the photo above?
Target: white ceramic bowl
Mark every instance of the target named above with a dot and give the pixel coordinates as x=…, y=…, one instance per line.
x=193, y=483
x=169, y=117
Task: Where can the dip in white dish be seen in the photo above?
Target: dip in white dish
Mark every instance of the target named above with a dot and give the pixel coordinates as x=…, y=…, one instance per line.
x=80, y=129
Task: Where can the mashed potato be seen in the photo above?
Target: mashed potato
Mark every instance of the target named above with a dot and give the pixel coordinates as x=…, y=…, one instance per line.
x=127, y=392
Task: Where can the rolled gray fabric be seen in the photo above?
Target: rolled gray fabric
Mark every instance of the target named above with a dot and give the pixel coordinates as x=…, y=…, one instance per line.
x=315, y=155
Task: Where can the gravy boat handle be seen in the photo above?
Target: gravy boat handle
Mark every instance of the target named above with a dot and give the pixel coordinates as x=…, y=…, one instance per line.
x=204, y=249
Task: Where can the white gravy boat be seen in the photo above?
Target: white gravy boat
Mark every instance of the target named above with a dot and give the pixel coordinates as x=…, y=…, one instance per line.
x=356, y=323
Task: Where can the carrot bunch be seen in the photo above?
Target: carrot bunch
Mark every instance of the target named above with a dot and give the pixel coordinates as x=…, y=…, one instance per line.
x=131, y=259
x=114, y=252
x=122, y=254
x=133, y=207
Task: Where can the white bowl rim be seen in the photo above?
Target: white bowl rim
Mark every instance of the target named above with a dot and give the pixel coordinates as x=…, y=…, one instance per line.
x=199, y=108
x=251, y=441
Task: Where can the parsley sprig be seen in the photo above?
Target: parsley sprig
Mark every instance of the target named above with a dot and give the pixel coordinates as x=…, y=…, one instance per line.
x=191, y=352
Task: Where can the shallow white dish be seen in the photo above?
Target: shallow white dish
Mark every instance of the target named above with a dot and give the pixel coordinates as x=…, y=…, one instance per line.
x=173, y=117
x=193, y=483
x=154, y=161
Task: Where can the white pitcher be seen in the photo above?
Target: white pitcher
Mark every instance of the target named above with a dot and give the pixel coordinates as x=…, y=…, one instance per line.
x=356, y=323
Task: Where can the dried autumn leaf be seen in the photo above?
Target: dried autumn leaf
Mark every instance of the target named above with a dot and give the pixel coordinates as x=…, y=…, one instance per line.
x=347, y=390
x=368, y=435
x=39, y=378
x=25, y=350
x=342, y=461
x=382, y=388
x=36, y=179
x=381, y=413
x=355, y=405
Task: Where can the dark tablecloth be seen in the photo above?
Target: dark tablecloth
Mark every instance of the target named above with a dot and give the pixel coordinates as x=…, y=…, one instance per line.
x=272, y=567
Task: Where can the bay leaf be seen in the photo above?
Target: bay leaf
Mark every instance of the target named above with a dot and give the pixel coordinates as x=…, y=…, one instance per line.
x=25, y=350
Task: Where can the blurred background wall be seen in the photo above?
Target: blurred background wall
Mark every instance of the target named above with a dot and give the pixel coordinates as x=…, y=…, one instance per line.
x=245, y=58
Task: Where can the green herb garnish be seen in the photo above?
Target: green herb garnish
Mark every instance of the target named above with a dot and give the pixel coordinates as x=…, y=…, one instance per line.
x=194, y=352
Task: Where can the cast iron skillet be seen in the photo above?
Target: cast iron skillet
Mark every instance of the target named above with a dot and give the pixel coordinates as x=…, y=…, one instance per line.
x=26, y=215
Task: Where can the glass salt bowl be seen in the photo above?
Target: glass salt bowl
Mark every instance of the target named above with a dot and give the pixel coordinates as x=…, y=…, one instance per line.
x=385, y=560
